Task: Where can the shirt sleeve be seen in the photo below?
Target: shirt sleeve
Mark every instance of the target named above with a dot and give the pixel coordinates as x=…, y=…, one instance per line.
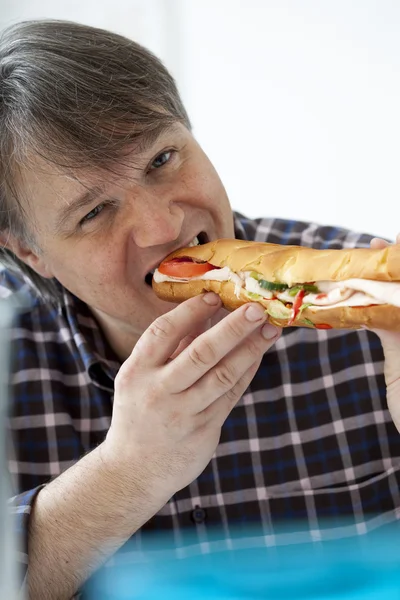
x=20, y=507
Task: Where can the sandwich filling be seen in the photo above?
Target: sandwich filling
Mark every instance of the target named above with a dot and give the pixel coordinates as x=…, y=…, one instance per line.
x=287, y=302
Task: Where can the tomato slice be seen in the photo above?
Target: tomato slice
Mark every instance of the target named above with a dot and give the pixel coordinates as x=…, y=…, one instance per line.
x=182, y=268
x=298, y=301
x=323, y=326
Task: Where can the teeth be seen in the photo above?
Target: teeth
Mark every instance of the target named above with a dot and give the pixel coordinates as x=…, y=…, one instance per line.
x=194, y=242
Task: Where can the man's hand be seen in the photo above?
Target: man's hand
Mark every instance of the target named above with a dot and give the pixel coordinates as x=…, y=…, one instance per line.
x=170, y=404
x=391, y=347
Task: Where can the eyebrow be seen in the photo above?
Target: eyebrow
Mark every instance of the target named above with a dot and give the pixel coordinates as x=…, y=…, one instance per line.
x=84, y=200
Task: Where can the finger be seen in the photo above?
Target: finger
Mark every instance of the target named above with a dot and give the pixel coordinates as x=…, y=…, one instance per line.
x=216, y=318
x=393, y=396
x=182, y=345
x=391, y=348
x=163, y=336
x=378, y=243
x=225, y=375
x=189, y=339
x=218, y=411
x=209, y=348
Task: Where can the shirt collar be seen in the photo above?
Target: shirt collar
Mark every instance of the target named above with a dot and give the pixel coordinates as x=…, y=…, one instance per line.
x=99, y=359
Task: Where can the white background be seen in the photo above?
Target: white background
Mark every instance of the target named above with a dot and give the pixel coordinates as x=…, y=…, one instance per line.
x=297, y=102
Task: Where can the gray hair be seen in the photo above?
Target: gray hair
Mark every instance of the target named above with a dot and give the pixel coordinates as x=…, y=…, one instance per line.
x=78, y=97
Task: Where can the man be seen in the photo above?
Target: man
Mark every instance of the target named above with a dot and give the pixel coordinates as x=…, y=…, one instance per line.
x=119, y=398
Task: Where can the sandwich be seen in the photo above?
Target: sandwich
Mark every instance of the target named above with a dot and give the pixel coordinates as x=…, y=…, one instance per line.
x=297, y=286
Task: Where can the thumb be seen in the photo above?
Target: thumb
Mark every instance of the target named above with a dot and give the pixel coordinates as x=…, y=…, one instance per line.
x=391, y=348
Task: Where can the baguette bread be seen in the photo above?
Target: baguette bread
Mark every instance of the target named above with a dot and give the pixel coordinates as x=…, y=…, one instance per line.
x=293, y=265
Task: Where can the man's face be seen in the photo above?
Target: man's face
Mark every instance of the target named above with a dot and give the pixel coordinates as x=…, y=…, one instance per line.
x=103, y=250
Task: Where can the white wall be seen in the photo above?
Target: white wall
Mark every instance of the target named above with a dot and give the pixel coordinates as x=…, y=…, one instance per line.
x=296, y=101
x=298, y=105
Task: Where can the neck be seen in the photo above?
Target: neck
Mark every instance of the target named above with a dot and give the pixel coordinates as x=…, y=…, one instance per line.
x=121, y=339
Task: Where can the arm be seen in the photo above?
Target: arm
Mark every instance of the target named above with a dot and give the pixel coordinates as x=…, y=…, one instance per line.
x=83, y=517
x=171, y=398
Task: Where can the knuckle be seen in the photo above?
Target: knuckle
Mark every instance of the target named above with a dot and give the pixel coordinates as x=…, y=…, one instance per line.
x=253, y=347
x=235, y=328
x=162, y=327
x=225, y=375
x=123, y=378
x=232, y=396
x=236, y=391
x=202, y=353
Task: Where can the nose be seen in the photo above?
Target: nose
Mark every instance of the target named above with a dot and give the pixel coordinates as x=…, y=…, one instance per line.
x=156, y=221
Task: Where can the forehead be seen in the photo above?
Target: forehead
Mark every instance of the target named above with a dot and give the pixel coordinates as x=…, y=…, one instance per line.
x=42, y=181
x=45, y=189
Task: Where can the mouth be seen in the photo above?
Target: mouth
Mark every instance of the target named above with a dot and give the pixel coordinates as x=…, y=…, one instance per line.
x=199, y=239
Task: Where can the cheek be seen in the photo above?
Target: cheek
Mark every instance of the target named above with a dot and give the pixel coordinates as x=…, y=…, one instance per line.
x=85, y=265
x=217, y=201
x=207, y=188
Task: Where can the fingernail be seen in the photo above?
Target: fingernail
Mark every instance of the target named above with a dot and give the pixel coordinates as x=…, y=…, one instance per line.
x=255, y=312
x=211, y=298
x=269, y=331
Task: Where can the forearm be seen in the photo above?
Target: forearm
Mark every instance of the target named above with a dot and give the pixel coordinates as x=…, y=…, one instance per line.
x=82, y=518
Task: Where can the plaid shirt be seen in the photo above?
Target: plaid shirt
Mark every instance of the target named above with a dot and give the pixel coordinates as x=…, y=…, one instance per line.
x=310, y=439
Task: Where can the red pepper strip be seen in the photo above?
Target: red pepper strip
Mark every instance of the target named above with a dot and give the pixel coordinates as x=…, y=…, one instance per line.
x=298, y=301
x=323, y=326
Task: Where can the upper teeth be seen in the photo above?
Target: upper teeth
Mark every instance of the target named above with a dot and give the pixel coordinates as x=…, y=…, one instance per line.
x=194, y=242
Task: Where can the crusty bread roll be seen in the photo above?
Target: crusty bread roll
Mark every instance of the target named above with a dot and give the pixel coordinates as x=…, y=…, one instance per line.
x=294, y=265
x=298, y=264
x=382, y=316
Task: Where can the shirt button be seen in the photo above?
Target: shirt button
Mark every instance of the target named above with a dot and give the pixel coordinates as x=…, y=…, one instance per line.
x=198, y=515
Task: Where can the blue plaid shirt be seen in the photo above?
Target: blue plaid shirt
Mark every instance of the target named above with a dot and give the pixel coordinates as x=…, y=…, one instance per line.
x=310, y=439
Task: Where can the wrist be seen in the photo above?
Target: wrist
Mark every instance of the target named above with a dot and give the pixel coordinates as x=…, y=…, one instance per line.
x=131, y=474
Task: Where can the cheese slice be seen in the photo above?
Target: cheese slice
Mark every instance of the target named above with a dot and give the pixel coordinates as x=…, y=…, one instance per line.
x=351, y=292
x=387, y=292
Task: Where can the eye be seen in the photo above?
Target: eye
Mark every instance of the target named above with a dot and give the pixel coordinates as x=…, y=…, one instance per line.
x=161, y=160
x=92, y=214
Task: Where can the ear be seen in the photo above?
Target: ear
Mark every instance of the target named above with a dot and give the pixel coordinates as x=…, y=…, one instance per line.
x=30, y=256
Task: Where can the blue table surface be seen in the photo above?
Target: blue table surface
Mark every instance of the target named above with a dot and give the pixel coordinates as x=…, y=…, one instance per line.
x=361, y=568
